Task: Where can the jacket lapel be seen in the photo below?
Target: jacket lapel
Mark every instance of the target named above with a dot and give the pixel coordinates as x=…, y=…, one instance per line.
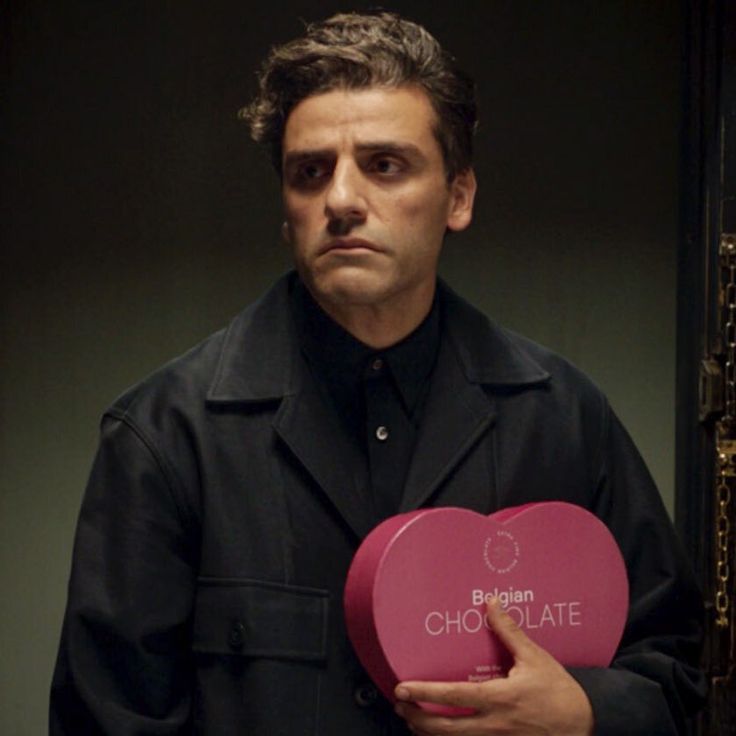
x=476, y=359
x=311, y=431
x=456, y=415
x=260, y=363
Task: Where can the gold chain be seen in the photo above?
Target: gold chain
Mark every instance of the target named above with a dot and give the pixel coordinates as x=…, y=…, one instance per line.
x=725, y=473
x=725, y=433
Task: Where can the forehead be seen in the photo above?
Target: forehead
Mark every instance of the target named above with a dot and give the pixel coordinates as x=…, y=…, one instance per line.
x=344, y=116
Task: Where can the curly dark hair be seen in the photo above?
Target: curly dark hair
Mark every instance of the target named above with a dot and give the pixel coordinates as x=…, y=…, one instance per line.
x=354, y=51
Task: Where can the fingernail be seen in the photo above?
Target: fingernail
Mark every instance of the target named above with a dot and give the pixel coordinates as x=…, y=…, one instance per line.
x=402, y=693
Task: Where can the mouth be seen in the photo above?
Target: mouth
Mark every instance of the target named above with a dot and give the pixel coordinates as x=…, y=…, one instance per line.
x=350, y=245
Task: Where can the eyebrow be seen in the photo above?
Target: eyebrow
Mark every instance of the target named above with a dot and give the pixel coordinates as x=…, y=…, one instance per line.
x=398, y=149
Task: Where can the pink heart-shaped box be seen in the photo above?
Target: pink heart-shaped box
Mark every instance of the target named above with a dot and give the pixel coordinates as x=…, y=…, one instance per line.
x=416, y=590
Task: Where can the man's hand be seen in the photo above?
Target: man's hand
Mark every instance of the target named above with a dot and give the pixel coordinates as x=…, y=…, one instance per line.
x=537, y=697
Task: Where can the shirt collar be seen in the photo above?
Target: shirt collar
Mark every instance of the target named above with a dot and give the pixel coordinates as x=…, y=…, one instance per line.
x=344, y=361
x=268, y=369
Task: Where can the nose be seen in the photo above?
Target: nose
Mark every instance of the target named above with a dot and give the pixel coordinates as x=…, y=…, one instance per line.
x=344, y=199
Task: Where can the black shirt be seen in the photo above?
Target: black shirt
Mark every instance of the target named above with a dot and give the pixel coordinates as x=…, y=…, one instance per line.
x=378, y=395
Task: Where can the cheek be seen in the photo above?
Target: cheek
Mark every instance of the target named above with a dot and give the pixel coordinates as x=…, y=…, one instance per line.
x=408, y=210
x=428, y=200
x=298, y=213
x=425, y=217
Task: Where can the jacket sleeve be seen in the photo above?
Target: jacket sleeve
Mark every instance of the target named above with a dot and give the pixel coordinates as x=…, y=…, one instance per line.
x=654, y=683
x=123, y=665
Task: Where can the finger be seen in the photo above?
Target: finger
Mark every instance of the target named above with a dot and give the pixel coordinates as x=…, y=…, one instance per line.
x=508, y=631
x=422, y=722
x=475, y=696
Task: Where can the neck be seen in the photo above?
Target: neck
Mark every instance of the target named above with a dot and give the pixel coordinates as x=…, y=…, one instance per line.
x=380, y=325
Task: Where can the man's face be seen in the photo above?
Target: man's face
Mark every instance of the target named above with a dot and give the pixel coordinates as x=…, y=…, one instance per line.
x=366, y=197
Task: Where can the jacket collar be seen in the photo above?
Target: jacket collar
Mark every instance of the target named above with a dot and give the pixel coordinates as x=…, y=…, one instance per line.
x=487, y=352
x=259, y=352
x=260, y=361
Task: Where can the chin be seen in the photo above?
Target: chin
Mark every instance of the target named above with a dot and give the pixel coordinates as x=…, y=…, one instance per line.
x=352, y=297
x=350, y=289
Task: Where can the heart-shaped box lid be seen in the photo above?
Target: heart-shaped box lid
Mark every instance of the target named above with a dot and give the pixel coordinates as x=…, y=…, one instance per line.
x=416, y=591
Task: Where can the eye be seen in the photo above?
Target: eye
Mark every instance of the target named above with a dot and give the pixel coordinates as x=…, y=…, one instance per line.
x=310, y=173
x=387, y=165
x=312, y=170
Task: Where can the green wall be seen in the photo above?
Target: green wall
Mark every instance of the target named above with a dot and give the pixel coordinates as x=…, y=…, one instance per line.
x=137, y=218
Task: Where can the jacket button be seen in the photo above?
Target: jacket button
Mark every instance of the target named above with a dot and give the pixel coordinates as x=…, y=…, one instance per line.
x=236, y=636
x=365, y=695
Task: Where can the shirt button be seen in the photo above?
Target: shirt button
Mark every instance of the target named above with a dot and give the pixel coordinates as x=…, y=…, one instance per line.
x=365, y=695
x=236, y=636
x=377, y=364
x=382, y=433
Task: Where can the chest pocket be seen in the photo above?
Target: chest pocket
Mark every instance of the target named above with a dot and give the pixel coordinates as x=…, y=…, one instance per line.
x=260, y=651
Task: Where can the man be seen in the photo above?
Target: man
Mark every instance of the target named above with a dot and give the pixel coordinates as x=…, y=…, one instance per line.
x=232, y=488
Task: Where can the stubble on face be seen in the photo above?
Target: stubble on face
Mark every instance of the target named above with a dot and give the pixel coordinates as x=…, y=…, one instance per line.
x=367, y=204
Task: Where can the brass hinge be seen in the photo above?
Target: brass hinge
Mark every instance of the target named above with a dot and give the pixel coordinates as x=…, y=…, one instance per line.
x=710, y=389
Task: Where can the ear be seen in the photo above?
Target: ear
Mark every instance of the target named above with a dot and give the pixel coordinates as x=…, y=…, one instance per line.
x=286, y=232
x=462, y=196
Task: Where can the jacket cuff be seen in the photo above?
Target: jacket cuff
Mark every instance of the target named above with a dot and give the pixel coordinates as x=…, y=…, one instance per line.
x=625, y=703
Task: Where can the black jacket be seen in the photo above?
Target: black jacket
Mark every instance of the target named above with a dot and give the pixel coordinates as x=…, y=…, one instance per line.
x=223, y=510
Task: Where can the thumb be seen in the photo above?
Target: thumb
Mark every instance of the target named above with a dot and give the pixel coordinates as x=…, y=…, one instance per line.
x=508, y=631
